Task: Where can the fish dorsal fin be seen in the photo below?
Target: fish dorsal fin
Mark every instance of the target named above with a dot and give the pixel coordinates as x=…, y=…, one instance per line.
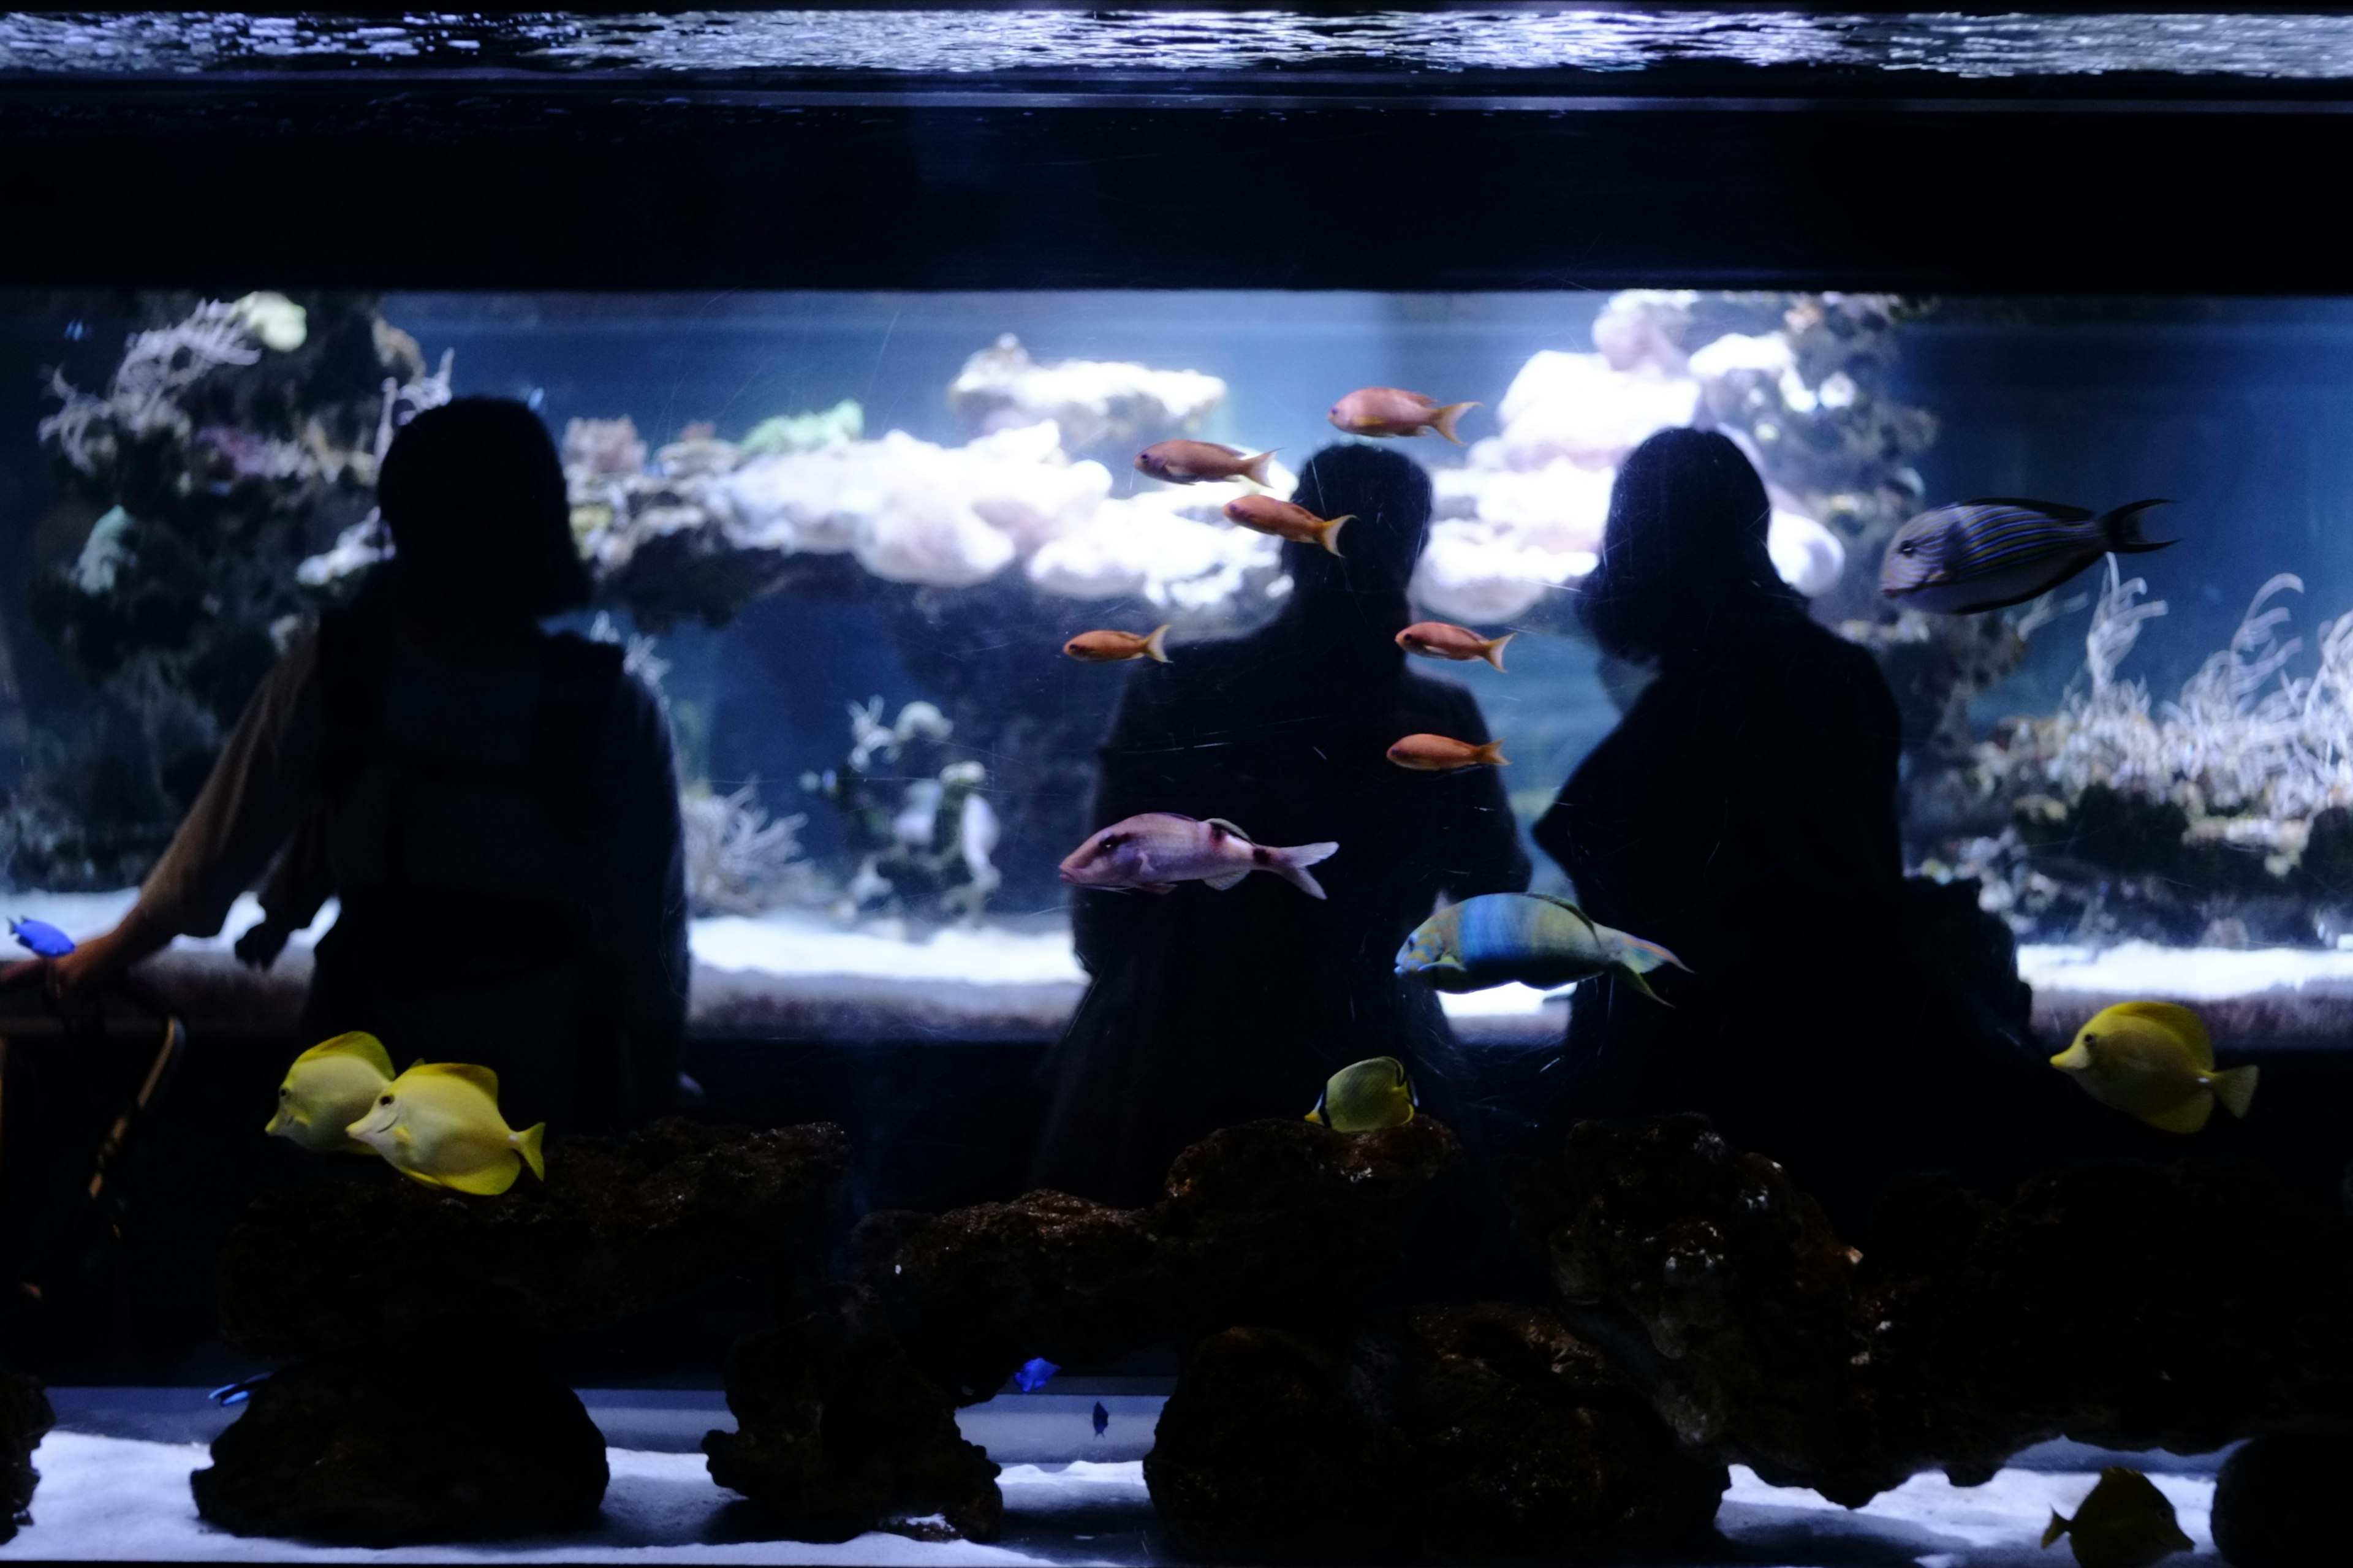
x=1554, y=899
x=1227, y=829
x=2178, y=1021
x=2049, y=509
x=358, y=1045
x=480, y=1077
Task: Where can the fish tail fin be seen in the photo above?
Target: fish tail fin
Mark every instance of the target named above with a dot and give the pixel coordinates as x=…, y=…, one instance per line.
x=2054, y=1529
x=1444, y=420
x=1291, y=864
x=1254, y=468
x=1637, y=955
x=1491, y=753
x=2122, y=528
x=1634, y=978
x=1492, y=650
x=1156, y=647
x=1328, y=536
x=2236, y=1088
x=527, y=1144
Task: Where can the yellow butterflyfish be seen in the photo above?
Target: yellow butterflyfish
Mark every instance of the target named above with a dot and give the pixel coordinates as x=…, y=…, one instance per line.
x=439, y=1124
x=330, y=1087
x=2153, y=1060
x=1366, y=1096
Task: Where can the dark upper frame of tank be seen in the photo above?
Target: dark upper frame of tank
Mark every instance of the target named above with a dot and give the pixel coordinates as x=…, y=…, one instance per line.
x=1510, y=146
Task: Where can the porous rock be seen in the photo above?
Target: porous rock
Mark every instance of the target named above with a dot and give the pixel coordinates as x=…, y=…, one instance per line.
x=452, y=1441
x=2120, y=1304
x=1464, y=1431
x=25, y=1417
x=1722, y=1288
x=1279, y=1223
x=838, y=1433
x=2277, y=1503
x=620, y=1226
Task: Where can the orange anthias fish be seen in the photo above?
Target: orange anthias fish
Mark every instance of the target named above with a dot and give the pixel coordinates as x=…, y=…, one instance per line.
x=1443, y=755
x=1443, y=639
x=1286, y=520
x=1393, y=411
x=1111, y=647
x=1191, y=462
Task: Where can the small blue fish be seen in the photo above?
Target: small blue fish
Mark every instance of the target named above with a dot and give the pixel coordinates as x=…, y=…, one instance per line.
x=76, y=331
x=1034, y=1374
x=1102, y=1418
x=1983, y=554
x=237, y=1393
x=41, y=937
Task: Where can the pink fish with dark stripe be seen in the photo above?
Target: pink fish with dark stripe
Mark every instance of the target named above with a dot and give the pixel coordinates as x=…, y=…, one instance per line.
x=1156, y=851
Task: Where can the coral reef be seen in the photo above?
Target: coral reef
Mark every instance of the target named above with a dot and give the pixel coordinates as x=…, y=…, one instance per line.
x=2082, y=1308
x=838, y=1433
x=738, y=860
x=1475, y=1431
x=1276, y=1223
x=1100, y=405
x=925, y=856
x=2219, y=816
x=446, y=1441
x=704, y=525
x=233, y=441
x=620, y=1226
x=25, y=1417
x=1804, y=396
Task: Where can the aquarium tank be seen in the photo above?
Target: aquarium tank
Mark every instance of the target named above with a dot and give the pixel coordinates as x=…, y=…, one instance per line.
x=989, y=785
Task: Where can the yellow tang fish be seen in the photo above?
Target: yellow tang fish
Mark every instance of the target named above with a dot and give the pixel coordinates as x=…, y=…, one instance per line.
x=330, y=1087
x=439, y=1124
x=1365, y=1097
x=2153, y=1060
x=2126, y=1523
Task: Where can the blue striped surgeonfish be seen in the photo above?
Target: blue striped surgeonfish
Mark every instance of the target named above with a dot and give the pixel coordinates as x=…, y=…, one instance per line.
x=1983, y=554
x=1533, y=938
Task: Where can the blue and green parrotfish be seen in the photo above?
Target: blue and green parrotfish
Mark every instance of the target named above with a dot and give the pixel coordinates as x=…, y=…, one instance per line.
x=1984, y=554
x=1532, y=937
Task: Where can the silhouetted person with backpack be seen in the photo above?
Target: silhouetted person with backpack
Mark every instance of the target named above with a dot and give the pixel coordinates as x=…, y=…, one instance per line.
x=1208, y=1008
x=494, y=805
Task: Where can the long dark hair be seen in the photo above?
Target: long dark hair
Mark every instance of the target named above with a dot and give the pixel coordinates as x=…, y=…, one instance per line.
x=1684, y=549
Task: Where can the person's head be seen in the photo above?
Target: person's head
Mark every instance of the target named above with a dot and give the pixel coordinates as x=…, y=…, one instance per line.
x=1684, y=547
x=1386, y=496
x=481, y=530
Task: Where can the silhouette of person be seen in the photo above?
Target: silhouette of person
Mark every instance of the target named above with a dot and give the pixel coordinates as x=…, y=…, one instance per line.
x=1743, y=812
x=494, y=805
x=1208, y=1008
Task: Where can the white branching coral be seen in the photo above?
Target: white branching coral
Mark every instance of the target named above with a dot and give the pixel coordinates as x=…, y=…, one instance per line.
x=2246, y=742
x=143, y=400
x=739, y=860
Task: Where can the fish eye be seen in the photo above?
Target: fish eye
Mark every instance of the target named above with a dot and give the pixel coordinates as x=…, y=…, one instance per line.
x=284, y=1090
x=386, y=1101
x=1111, y=841
x=1909, y=547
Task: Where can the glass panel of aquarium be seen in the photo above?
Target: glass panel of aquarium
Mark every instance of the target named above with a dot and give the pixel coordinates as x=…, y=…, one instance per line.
x=1213, y=833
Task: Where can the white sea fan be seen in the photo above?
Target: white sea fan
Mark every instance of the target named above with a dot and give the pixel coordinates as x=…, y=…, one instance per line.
x=739, y=861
